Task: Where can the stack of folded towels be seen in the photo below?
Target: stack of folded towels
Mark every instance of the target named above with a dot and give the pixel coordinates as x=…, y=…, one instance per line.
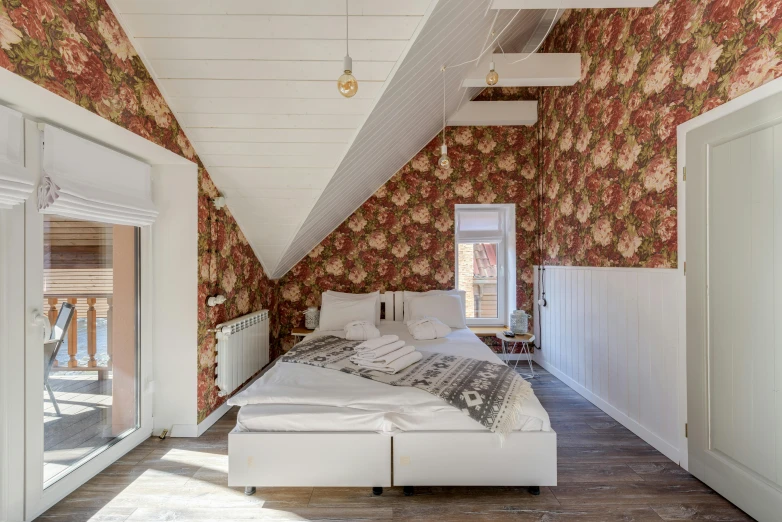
x=385, y=354
x=361, y=331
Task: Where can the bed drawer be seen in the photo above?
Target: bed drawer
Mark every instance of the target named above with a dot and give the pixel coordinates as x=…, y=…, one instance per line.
x=309, y=459
x=459, y=458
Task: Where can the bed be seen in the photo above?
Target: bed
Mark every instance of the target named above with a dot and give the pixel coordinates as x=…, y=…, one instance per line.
x=301, y=425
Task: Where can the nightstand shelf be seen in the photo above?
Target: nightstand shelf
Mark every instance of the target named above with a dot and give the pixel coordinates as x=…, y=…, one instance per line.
x=487, y=331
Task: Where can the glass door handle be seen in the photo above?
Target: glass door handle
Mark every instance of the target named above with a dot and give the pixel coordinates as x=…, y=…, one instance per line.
x=41, y=320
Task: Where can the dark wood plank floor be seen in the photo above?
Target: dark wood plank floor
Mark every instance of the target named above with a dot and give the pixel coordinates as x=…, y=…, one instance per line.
x=605, y=473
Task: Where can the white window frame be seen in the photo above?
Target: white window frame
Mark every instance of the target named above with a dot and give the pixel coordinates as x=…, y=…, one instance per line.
x=506, y=258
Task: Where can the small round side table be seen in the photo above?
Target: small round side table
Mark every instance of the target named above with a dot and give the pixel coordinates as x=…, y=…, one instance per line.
x=525, y=340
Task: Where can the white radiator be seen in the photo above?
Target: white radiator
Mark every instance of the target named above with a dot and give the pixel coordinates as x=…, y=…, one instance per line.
x=242, y=350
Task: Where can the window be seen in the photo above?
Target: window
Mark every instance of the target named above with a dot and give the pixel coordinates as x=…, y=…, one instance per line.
x=485, y=261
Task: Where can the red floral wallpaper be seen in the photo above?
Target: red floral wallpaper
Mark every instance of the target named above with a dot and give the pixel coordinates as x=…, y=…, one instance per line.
x=77, y=49
x=610, y=140
x=609, y=151
x=402, y=238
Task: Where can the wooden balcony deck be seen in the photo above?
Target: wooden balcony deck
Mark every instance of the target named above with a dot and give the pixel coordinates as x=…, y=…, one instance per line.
x=84, y=423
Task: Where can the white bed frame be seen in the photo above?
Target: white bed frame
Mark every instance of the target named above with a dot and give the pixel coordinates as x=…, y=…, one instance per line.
x=370, y=459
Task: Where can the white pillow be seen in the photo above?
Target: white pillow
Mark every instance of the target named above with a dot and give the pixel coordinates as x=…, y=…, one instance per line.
x=408, y=296
x=336, y=312
x=345, y=295
x=445, y=307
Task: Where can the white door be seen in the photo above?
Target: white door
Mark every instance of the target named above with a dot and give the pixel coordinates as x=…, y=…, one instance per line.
x=734, y=306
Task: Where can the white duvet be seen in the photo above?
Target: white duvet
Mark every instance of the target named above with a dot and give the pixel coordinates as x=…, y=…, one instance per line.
x=298, y=397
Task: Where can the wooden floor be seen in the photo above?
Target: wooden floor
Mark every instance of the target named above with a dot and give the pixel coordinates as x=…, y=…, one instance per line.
x=605, y=473
x=85, y=412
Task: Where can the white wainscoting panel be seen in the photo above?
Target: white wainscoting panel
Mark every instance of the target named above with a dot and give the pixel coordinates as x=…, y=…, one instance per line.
x=612, y=334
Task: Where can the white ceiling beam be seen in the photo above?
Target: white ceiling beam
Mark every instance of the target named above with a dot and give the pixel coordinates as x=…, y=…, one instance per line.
x=570, y=4
x=493, y=113
x=539, y=70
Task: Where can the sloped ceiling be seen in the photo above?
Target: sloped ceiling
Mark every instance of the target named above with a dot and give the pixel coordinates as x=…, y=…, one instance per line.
x=410, y=111
x=253, y=83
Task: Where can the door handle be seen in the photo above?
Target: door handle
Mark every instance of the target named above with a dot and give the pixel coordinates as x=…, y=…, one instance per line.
x=41, y=320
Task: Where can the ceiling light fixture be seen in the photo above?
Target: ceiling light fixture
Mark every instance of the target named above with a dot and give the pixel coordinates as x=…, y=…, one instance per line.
x=444, y=162
x=347, y=83
x=492, y=78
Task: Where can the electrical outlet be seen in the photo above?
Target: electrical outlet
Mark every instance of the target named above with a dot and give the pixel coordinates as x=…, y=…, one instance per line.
x=404, y=461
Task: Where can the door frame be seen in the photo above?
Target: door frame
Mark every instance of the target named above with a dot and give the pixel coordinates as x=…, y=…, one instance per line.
x=12, y=440
x=36, y=498
x=769, y=89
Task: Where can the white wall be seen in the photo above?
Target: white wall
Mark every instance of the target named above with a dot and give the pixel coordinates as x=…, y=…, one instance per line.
x=613, y=335
x=175, y=316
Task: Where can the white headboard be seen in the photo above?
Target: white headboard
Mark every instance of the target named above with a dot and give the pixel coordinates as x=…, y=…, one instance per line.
x=387, y=299
x=399, y=305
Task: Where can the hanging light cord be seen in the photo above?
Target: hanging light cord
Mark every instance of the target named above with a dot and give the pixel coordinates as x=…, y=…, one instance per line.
x=487, y=47
x=347, y=30
x=443, y=70
x=540, y=43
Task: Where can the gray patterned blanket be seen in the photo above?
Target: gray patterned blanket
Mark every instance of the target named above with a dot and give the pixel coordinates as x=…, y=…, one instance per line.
x=490, y=393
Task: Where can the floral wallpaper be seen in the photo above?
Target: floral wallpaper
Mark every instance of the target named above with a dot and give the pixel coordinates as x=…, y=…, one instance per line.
x=609, y=152
x=402, y=238
x=610, y=140
x=226, y=265
x=77, y=49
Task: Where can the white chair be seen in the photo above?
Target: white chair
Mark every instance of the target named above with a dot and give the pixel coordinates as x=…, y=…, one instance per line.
x=52, y=346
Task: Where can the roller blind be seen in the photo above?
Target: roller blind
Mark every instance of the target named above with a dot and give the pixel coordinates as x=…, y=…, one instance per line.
x=85, y=180
x=16, y=184
x=479, y=224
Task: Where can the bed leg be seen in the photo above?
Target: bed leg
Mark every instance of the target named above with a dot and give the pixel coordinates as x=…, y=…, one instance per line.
x=534, y=490
x=249, y=490
x=377, y=491
x=408, y=491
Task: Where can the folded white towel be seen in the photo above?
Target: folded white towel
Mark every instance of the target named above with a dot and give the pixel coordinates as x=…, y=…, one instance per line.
x=425, y=328
x=385, y=358
x=379, y=352
x=374, y=344
x=397, y=365
x=361, y=331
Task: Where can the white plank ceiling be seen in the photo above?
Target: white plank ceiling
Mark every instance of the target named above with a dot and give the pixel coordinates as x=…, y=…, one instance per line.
x=253, y=83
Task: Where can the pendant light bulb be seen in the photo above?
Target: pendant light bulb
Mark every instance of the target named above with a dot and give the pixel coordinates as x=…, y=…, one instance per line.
x=492, y=78
x=347, y=83
x=444, y=162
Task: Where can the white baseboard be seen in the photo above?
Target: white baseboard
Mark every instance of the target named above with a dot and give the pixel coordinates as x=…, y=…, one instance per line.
x=213, y=417
x=649, y=437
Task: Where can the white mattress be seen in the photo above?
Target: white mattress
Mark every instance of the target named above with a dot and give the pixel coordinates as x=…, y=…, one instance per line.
x=298, y=397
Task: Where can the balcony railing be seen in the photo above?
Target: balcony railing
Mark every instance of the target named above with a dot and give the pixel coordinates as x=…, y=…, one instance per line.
x=90, y=306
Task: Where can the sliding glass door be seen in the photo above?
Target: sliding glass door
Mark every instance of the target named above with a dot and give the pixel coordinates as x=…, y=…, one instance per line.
x=90, y=299
x=84, y=405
